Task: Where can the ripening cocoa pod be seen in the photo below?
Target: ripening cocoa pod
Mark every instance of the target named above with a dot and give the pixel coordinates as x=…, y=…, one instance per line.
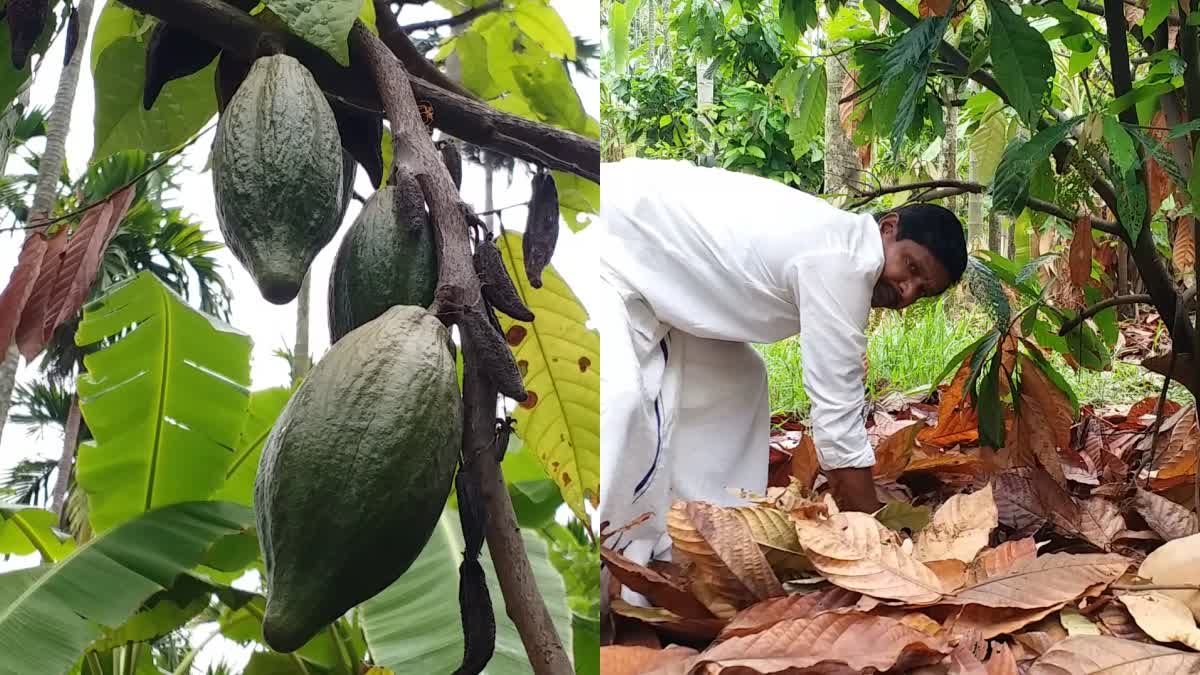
x=72, y=36
x=472, y=514
x=452, y=158
x=491, y=352
x=541, y=227
x=478, y=618
x=26, y=21
x=495, y=283
x=362, y=137
x=173, y=53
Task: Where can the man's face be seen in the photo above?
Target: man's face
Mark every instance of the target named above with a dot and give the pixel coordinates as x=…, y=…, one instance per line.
x=910, y=272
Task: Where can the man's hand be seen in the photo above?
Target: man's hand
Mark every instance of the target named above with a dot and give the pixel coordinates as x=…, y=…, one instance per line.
x=854, y=489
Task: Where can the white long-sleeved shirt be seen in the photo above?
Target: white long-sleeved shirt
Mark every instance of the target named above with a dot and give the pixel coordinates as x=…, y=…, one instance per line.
x=730, y=256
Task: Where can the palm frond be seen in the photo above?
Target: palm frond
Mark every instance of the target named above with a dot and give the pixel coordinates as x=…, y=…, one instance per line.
x=28, y=482
x=40, y=404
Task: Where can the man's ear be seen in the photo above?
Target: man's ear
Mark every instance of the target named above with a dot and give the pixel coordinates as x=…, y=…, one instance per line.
x=889, y=223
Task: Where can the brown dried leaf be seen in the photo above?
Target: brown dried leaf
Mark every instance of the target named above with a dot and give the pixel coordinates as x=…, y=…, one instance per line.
x=893, y=454
x=1100, y=522
x=775, y=535
x=860, y=641
x=1043, y=423
x=1102, y=654
x=21, y=285
x=30, y=332
x=997, y=561
x=1027, y=497
x=1002, y=661
x=1176, y=562
x=959, y=529
x=710, y=580
x=920, y=622
x=856, y=552
x=846, y=114
x=1163, y=617
x=657, y=588
x=730, y=538
x=1183, y=249
x=1115, y=620
x=990, y=622
x=1038, y=642
x=623, y=660
x=952, y=573
x=1159, y=179
x=804, y=462
x=964, y=662
x=1044, y=581
x=1081, y=252
x=957, y=422
x=767, y=613
x=1168, y=519
x=667, y=622
x=933, y=7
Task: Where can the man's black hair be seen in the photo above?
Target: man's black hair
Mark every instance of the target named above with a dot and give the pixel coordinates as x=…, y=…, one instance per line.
x=938, y=230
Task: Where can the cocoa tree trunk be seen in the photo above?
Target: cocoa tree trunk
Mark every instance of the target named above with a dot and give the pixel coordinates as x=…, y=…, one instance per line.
x=44, y=197
x=842, y=165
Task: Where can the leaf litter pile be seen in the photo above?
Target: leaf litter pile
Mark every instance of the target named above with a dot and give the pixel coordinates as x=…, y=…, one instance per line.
x=1072, y=549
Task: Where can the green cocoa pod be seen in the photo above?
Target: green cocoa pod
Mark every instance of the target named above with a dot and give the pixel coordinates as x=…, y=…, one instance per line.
x=277, y=168
x=26, y=21
x=173, y=53
x=383, y=260
x=356, y=471
x=541, y=227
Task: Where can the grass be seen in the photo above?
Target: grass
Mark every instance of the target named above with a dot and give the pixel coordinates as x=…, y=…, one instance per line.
x=907, y=350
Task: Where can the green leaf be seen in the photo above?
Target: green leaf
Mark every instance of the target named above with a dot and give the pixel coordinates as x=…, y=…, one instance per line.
x=808, y=116
x=324, y=23
x=162, y=613
x=986, y=288
x=989, y=408
x=1180, y=130
x=587, y=644
x=1155, y=14
x=906, y=65
x=550, y=92
x=538, y=20
x=12, y=81
x=243, y=624
x=181, y=110
x=164, y=402
x=367, y=16
x=618, y=35
x=1131, y=202
x=1120, y=145
x=1010, y=189
x=535, y=497
x=1083, y=59
x=956, y=361
x=264, y=407
x=25, y=530
x=560, y=359
x=576, y=196
x=1139, y=94
x=795, y=17
x=472, y=50
x=988, y=142
x=1021, y=60
x=50, y=613
x=899, y=516
x=414, y=625
x=1161, y=154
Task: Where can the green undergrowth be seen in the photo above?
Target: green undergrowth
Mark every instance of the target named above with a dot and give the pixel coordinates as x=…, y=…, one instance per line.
x=908, y=349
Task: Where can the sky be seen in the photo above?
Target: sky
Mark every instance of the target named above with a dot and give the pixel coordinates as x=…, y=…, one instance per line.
x=273, y=326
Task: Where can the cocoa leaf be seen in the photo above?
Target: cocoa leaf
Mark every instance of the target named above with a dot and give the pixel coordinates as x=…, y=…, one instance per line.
x=959, y=529
x=1163, y=617
x=731, y=541
x=929, y=8
x=964, y=662
x=804, y=462
x=30, y=332
x=992, y=621
x=1080, y=255
x=952, y=573
x=894, y=452
x=1100, y=522
x=1176, y=562
x=1002, y=661
x=625, y=660
x=1102, y=654
x=997, y=561
x=858, y=640
x=709, y=579
x=900, y=516
x=957, y=422
x=767, y=613
x=666, y=621
x=1115, y=620
x=1168, y=519
x=1027, y=497
x=1183, y=248
x=1044, y=421
x=775, y=535
x=856, y=552
x=20, y=285
x=657, y=588
x=1044, y=581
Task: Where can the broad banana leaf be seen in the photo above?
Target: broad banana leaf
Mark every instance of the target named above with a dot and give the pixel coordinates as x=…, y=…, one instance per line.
x=414, y=625
x=25, y=530
x=49, y=614
x=559, y=358
x=165, y=398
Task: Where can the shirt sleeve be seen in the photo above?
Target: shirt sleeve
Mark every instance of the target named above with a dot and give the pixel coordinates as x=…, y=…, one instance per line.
x=833, y=294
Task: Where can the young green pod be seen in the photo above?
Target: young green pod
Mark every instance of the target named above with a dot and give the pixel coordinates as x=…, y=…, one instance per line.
x=541, y=227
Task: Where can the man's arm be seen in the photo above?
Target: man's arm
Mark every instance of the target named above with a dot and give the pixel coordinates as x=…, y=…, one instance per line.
x=834, y=298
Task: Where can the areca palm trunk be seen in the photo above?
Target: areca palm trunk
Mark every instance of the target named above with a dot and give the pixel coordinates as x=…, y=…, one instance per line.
x=842, y=166
x=12, y=358
x=44, y=197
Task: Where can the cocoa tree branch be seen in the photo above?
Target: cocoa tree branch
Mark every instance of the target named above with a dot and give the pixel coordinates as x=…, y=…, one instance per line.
x=456, y=20
x=1138, y=298
x=458, y=290
x=956, y=187
x=414, y=61
x=464, y=118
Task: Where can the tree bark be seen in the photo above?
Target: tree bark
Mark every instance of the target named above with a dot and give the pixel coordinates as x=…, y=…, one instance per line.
x=1012, y=239
x=993, y=231
x=66, y=462
x=704, y=99
x=12, y=357
x=300, y=361
x=950, y=144
x=975, y=233
x=842, y=165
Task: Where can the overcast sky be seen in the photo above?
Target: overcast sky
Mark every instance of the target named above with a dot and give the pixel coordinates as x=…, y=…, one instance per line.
x=273, y=326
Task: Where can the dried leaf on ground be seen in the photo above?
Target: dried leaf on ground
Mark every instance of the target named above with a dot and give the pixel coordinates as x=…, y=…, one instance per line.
x=804, y=462
x=952, y=573
x=959, y=529
x=794, y=606
x=1176, y=562
x=1081, y=252
x=856, y=552
x=964, y=662
x=1044, y=581
x=1100, y=522
x=1092, y=654
x=624, y=660
x=1037, y=642
x=1044, y=422
x=957, y=422
x=993, y=562
x=1027, y=497
x=893, y=454
x=991, y=622
x=731, y=539
x=1002, y=661
x=1163, y=617
x=858, y=640
x=669, y=623
x=710, y=580
x=658, y=589
x=901, y=516
x=775, y=535
x=1168, y=519
x=1118, y=622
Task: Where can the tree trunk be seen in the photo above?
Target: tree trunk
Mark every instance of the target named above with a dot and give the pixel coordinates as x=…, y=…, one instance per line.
x=842, y=165
x=489, y=187
x=300, y=361
x=950, y=144
x=704, y=99
x=993, y=231
x=44, y=197
x=12, y=357
x=1012, y=239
